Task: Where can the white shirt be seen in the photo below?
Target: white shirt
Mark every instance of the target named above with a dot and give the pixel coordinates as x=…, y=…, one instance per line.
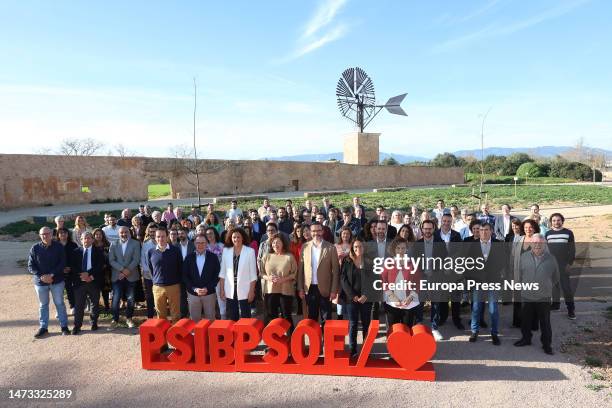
x=506, y=224
x=112, y=233
x=200, y=261
x=459, y=224
x=184, y=249
x=486, y=248
x=315, y=253
x=124, y=246
x=445, y=237
x=381, y=246
x=87, y=253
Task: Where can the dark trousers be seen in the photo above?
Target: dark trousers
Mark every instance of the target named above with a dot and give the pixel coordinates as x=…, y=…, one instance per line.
x=318, y=306
x=275, y=303
x=148, y=291
x=455, y=311
x=541, y=312
x=565, y=285
x=123, y=287
x=69, y=293
x=237, y=309
x=81, y=292
x=409, y=317
x=358, y=311
x=184, y=304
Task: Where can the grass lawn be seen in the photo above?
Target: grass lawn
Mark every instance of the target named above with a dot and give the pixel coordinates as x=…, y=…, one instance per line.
x=474, y=179
x=461, y=196
x=403, y=200
x=159, y=190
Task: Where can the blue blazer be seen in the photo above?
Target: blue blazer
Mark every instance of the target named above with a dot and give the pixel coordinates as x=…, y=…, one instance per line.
x=209, y=277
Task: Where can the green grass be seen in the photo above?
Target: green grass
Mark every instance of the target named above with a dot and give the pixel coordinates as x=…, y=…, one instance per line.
x=595, y=387
x=461, y=196
x=474, y=179
x=159, y=190
x=592, y=361
x=597, y=376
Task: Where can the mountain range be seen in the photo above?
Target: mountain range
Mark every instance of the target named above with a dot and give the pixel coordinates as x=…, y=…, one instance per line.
x=539, y=151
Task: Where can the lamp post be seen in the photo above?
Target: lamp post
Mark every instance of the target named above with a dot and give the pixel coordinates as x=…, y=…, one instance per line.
x=515, y=180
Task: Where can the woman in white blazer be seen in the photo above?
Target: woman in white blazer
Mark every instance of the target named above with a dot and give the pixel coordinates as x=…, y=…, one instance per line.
x=238, y=275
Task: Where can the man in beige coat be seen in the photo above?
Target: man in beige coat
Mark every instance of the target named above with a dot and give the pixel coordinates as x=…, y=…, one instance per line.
x=318, y=275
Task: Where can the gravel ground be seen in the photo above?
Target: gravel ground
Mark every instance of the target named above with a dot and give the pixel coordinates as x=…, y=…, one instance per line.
x=104, y=368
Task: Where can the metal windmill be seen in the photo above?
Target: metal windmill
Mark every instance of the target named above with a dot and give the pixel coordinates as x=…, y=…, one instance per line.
x=356, y=101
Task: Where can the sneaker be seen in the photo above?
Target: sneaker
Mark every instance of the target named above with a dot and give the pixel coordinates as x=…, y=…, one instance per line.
x=130, y=323
x=555, y=306
x=522, y=343
x=114, y=324
x=437, y=335
x=473, y=337
x=496, y=341
x=571, y=315
x=41, y=333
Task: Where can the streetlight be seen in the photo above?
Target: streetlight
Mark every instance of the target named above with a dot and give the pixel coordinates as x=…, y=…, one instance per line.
x=515, y=180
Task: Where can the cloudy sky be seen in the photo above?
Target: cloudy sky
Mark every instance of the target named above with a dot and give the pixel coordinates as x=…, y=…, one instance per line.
x=267, y=71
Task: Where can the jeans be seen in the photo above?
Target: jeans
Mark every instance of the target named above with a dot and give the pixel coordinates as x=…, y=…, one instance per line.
x=57, y=292
x=565, y=285
x=123, y=287
x=358, y=311
x=477, y=295
x=148, y=290
x=318, y=305
x=435, y=315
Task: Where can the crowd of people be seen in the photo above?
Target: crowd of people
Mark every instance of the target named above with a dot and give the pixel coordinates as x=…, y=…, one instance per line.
x=314, y=261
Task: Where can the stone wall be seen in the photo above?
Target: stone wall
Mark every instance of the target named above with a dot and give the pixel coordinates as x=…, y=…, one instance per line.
x=36, y=180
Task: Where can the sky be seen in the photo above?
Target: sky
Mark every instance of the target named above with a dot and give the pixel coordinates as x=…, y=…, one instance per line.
x=266, y=72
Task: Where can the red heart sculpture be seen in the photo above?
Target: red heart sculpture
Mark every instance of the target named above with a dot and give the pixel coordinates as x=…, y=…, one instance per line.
x=411, y=349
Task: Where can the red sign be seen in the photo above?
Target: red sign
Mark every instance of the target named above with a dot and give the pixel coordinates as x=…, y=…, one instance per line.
x=224, y=345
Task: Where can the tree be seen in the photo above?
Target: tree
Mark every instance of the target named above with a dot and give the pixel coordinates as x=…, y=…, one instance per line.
x=447, y=160
x=389, y=161
x=122, y=151
x=79, y=147
x=530, y=170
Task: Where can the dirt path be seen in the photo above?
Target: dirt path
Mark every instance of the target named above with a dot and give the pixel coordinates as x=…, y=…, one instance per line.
x=104, y=367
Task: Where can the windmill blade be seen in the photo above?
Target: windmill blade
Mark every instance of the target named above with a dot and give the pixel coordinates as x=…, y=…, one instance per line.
x=393, y=105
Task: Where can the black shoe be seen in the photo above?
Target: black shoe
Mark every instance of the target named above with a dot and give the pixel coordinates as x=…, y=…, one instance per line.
x=473, y=337
x=459, y=325
x=41, y=333
x=496, y=341
x=522, y=343
x=76, y=331
x=354, y=354
x=506, y=303
x=548, y=350
x=483, y=324
x=555, y=306
x=65, y=331
x=571, y=315
x=94, y=326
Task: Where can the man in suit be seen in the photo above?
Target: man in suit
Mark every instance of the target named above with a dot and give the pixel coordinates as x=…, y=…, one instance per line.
x=200, y=276
x=124, y=257
x=87, y=280
x=185, y=246
x=391, y=230
x=318, y=275
x=493, y=253
x=379, y=247
x=433, y=252
x=350, y=221
x=451, y=239
x=503, y=223
x=327, y=233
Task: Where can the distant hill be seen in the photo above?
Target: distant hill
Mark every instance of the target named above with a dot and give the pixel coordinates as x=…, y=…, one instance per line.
x=338, y=156
x=539, y=151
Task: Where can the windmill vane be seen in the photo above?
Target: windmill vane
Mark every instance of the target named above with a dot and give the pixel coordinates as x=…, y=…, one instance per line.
x=356, y=100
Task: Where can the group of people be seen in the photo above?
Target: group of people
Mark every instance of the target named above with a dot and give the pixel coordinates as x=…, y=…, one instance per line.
x=316, y=260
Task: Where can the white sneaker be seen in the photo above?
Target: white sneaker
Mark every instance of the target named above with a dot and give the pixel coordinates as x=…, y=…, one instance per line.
x=437, y=335
x=130, y=323
x=113, y=326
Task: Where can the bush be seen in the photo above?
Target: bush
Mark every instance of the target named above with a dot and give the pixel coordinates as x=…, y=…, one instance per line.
x=531, y=170
x=447, y=160
x=575, y=170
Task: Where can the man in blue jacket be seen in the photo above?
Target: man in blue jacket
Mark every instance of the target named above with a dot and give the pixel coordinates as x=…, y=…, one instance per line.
x=201, y=275
x=46, y=263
